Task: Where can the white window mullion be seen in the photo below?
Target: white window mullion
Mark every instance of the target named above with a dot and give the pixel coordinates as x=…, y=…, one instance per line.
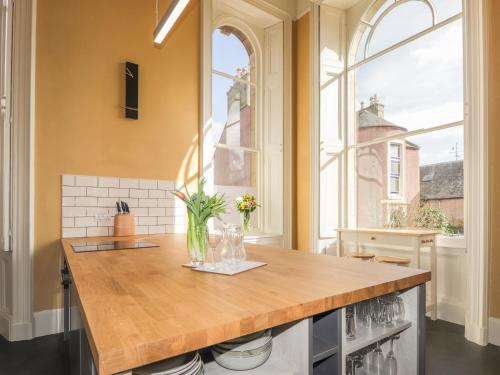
x=5, y=123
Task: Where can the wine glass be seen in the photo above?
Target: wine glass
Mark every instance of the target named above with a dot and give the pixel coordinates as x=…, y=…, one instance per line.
x=214, y=239
x=378, y=360
x=350, y=323
x=391, y=364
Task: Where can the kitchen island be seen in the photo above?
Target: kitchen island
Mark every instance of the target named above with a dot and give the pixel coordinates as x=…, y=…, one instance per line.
x=139, y=306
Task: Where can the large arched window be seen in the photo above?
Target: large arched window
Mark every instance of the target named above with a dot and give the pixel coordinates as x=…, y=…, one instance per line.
x=405, y=133
x=234, y=103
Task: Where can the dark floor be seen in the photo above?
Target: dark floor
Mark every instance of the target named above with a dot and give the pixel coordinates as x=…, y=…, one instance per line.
x=447, y=353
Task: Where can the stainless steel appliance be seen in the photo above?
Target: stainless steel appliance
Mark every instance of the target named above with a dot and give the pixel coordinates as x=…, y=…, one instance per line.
x=87, y=246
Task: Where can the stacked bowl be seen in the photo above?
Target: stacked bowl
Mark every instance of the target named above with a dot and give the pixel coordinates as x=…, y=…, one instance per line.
x=186, y=364
x=244, y=353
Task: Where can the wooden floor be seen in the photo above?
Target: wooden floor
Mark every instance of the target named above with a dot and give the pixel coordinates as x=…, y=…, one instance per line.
x=448, y=353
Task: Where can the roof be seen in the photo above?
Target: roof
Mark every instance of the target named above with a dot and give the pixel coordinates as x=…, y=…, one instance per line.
x=368, y=119
x=442, y=180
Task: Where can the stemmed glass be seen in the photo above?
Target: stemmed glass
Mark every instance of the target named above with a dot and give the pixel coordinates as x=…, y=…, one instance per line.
x=378, y=360
x=214, y=239
x=350, y=323
x=391, y=364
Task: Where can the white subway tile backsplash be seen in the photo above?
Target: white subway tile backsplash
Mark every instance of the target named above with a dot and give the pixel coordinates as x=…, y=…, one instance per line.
x=141, y=229
x=148, y=202
x=93, y=211
x=85, y=221
x=74, y=211
x=68, y=180
x=97, y=192
x=139, y=211
x=156, y=229
x=136, y=193
x=158, y=194
x=119, y=193
x=148, y=220
x=129, y=183
x=68, y=201
x=109, y=182
x=68, y=222
x=106, y=202
x=97, y=231
x=148, y=184
x=132, y=202
x=89, y=205
x=166, y=185
x=86, y=181
x=74, y=232
x=166, y=220
x=156, y=211
x=166, y=202
x=74, y=191
x=86, y=201
x=175, y=211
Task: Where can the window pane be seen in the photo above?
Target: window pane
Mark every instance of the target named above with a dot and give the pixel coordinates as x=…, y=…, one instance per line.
x=400, y=23
x=447, y=8
x=235, y=174
x=432, y=178
x=229, y=53
x=418, y=85
x=232, y=112
x=394, y=185
x=395, y=168
x=395, y=150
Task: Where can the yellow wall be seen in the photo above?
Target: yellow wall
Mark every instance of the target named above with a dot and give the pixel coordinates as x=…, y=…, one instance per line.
x=302, y=139
x=494, y=152
x=80, y=129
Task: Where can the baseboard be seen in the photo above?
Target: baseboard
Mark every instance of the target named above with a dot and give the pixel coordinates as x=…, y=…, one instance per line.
x=5, y=325
x=494, y=331
x=475, y=333
x=451, y=311
x=49, y=322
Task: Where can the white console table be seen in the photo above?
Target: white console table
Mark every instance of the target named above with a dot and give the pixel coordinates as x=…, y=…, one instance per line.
x=415, y=239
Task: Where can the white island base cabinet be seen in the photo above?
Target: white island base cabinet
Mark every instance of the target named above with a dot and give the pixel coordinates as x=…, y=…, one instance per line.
x=318, y=345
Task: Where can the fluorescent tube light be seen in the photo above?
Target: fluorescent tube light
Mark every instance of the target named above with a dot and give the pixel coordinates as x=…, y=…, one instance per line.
x=168, y=20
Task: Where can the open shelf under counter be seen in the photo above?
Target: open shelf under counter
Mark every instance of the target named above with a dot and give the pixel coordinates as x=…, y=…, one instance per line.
x=366, y=337
x=277, y=365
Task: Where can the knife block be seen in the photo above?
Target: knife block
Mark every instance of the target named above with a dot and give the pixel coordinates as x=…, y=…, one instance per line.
x=124, y=225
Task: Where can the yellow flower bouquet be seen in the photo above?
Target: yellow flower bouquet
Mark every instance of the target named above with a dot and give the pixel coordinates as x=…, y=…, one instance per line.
x=246, y=204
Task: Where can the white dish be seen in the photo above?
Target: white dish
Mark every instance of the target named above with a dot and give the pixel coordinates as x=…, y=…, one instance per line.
x=172, y=366
x=241, y=363
x=249, y=342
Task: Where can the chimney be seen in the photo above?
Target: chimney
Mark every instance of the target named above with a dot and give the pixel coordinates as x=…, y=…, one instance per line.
x=376, y=107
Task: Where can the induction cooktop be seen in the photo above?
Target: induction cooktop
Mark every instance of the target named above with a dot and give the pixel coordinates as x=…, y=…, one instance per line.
x=81, y=247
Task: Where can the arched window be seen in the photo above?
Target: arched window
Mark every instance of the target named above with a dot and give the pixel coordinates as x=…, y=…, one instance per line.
x=234, y=102
x=405, y=133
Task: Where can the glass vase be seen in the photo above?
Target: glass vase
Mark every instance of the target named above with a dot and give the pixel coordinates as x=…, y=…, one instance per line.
x=246, y=221
x=196, y=241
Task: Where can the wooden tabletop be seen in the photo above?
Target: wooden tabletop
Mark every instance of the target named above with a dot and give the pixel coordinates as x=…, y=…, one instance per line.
x=141, y=306
x=398, y=232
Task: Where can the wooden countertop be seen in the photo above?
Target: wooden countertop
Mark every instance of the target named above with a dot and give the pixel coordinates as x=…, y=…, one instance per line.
x=141, y=306
x=397, y=232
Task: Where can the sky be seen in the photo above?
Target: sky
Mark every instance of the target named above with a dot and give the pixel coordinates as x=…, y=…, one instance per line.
x=228, y=55
x=421, y=83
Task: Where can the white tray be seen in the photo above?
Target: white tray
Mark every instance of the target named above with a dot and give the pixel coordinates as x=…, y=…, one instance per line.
x=224, y=269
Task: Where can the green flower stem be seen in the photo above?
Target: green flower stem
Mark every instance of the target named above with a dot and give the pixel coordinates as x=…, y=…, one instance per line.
x=246, y=221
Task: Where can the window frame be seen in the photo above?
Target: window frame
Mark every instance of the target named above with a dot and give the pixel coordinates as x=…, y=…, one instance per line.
x=350, y=216
x=270, y=213
x=400, y=195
